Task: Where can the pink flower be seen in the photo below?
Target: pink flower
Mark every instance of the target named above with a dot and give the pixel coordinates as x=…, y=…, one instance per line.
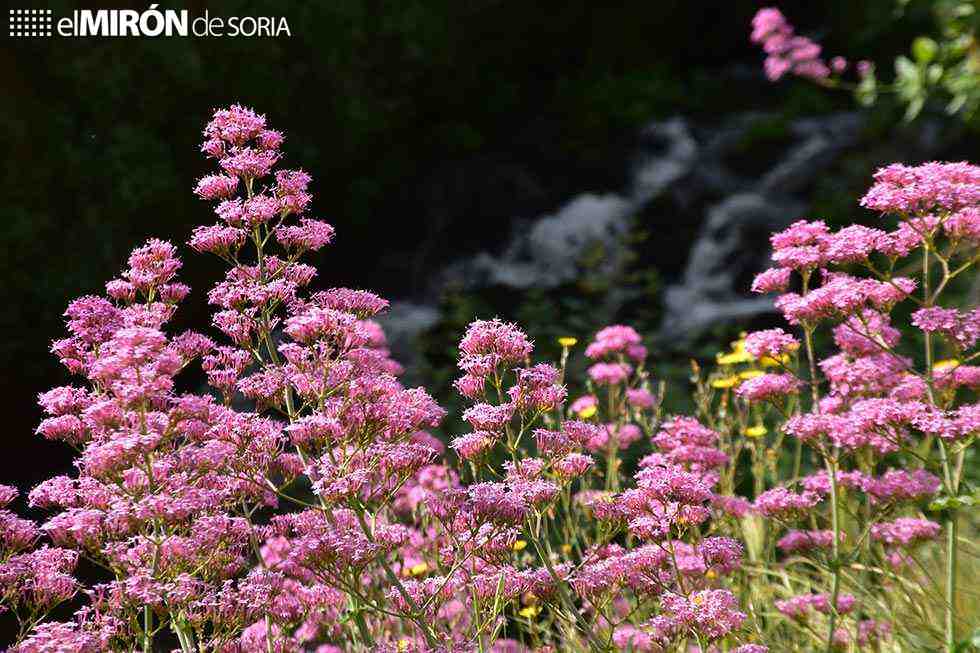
x=216, y=187
x=768, y=387
x=573, y=465
x=487, y=417
x=961, y=329
x=917, y=190
x=771, y=343
x=803, y=541
x=640, y=398
x=498, y=338
x=610, y=373
x=905, y=531
x=712, y=613
x=583, y=403
x=780, y=502
x=309, y=235
x=235, y=125
x=217, y=239
x=473, y=445
x=772, y=280
x=616, y=339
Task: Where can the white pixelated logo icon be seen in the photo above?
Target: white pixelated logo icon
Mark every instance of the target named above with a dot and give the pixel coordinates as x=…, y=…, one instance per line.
x=30, y=22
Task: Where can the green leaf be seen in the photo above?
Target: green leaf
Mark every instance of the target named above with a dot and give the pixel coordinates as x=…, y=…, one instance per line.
x=866, y=92
x=956, y=104
x=905, y=69
x=924, y=49
x=952, y=503
x=915, y=107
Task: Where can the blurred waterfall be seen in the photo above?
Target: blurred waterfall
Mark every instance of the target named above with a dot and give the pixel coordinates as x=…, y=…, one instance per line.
x=698, y=168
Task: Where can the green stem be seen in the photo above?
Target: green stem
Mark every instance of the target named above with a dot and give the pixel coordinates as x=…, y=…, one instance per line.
x=835, y=525
x=949, y=610
x=951, y=551
x=147, y=629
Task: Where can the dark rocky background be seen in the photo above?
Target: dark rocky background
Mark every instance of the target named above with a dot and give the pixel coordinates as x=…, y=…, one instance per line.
x=559, y=163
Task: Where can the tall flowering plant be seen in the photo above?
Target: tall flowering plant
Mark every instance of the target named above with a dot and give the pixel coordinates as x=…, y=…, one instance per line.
x=884, y=427
x=299, y=503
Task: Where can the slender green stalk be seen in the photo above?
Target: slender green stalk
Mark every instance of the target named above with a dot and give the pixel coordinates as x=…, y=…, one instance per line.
x=836, y=562
x=951, y=555
x=950, y=482
x=147, y=629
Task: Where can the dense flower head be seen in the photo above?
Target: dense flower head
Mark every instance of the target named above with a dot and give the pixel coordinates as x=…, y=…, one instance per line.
x=537, y=388
x=235, y=125
x=897, y=485
x=798, y=607
x=783, y=503
x=616, y=339
x=495, y=338
x=709, y=613
x=768, y=387
x=772, y=343
x=926, y=188
x=905, y=531
x=962, y=330
x=869, y=332
x=964, y=224
x=772, y=280
x=610, y=373
x=786, y=51
x=802, y=541
x=309, y=235
x=843, y=296
x=474, y=444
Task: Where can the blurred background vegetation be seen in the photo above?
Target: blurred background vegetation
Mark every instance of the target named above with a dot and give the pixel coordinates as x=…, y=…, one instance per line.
x=432, y=128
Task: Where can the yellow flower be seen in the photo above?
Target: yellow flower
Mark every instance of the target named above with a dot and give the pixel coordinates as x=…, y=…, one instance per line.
x=417, y=570
x=530, y=612
x=756, y=431
x=711, y=574
x=727, y=382
x=587, y=412
x=750, y=374
x=403, y=644
x=520, y=545
x=567, y=341
x=566, y=548
x=734, y=358
x=767, y=361
x=947, y=364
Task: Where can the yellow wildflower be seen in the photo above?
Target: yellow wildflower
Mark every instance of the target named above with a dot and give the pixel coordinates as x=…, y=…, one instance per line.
x=767, y=361
x=530, y=612
x=567, y=341
x=750, y=374
x=417, y=570
x=946, y=364
x=726, y=382
x=756, y=431
x=520, y=545
x=587, y=412
x=566, y=548
x=733, y=358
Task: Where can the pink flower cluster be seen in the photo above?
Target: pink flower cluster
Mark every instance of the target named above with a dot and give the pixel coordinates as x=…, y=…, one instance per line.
x=788, y=53
x=300, y=503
